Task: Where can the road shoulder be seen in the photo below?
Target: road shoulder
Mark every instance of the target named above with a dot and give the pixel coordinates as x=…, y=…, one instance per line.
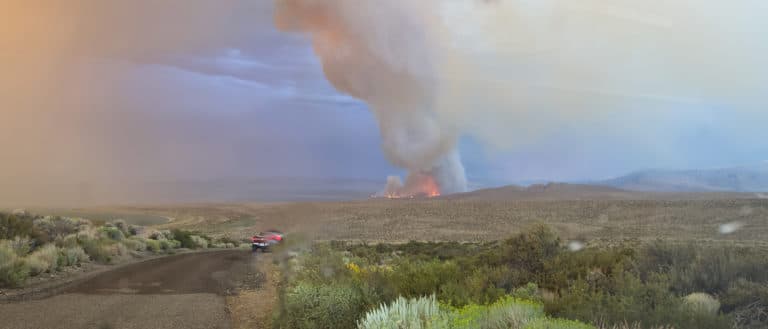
x=252, y=305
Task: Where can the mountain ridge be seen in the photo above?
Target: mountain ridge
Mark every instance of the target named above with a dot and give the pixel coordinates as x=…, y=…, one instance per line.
x=734, y=179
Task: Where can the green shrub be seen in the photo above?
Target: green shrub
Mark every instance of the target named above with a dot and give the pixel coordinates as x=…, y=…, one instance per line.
x=742, y=293
x=322, y=265
x=419, y=278
x=531, y=248
x=13, y=272
x=645, y=285
x=13, y=269
x=704, y=268
x=426, y=312
x=97, y=250
x=169, y=244
x=36, y=266
x=702, y=303
x=748, y=302
x=309, y=305
x=594, y=265
x=67, y=241
x=548, y=323
x=484, y=284
x=135, y=244
x=122, y=226
x=628, y=299
x=113, y=233
x=21, y=246
x=199, y=242
x=162, y=235
x=508, y=312
x=153, y=245
x=12, y=226
x=185, y=237
x=73, y=256
x=423, y=312
x=44, y=259
x=189, y=239
x=626, y=325
x=134, y=230
x=54, y=227
x=529, y=291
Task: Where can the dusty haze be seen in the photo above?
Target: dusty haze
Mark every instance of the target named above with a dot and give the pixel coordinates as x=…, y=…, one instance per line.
x=76, y=111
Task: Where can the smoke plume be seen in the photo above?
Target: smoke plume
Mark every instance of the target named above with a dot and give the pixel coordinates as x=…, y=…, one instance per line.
x=511, y=71
x=364, y=55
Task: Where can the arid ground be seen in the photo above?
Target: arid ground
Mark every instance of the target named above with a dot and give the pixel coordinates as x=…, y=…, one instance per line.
x=191, y=291
x=575, y=211
x=477, y=220
x=181, y=291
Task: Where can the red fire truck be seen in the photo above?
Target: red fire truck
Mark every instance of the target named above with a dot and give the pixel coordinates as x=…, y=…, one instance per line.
x=264, y=240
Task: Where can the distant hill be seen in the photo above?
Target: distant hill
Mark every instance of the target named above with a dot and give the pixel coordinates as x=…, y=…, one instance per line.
x=550, y=191
x=563, y=191
x=738, y=179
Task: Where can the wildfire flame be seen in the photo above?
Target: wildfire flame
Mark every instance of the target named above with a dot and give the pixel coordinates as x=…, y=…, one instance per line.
x=417, y=186
x=430, y=188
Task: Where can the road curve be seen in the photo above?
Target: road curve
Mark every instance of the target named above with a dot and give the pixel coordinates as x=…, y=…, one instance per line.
x=181, y=291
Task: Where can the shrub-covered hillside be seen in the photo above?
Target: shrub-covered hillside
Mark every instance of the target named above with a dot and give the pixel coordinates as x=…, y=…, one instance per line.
x=32, y=245
x=530, y=280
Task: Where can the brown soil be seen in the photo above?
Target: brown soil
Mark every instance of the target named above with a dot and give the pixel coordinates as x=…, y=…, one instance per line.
x=252, y=307
x=182, y=291
x=48, y=285
x=209, y=272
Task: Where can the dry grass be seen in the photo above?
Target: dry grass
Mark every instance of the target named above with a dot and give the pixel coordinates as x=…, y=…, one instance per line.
x=469, y=220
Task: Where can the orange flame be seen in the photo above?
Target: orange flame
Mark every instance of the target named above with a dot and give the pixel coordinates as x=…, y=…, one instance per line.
x=430, y=188
x=424, y=187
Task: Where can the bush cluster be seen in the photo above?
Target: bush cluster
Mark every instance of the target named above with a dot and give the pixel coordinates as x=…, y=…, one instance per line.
x=427, y=312
x=182, y=239
x=322, y=306
x=13, y=269
x=33, y=245
x=656, y=285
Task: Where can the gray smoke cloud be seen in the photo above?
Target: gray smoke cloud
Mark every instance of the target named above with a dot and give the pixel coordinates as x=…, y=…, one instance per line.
x=508, y=72
x=392, y=72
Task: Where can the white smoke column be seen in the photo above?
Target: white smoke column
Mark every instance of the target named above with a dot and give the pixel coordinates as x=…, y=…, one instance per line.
x=365, y=55
x=512, y=72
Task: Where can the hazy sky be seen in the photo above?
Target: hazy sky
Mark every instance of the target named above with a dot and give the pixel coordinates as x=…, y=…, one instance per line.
x=109, y=91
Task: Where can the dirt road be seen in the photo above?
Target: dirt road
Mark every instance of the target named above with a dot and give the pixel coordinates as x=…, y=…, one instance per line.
x=183, y=291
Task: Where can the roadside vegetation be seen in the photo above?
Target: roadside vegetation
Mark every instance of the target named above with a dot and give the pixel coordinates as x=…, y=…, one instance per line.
x=34, y=245
x=529, y=281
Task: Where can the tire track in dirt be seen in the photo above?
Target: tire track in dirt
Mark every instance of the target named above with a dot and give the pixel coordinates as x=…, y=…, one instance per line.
x=210, y=272
x=181, y=291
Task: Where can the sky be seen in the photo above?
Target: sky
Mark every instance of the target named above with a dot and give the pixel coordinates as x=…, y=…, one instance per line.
x=104, y=92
